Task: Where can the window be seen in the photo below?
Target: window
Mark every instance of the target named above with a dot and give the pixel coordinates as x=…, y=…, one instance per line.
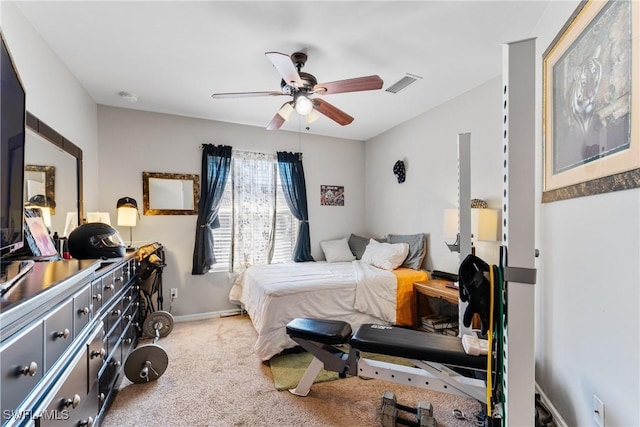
x=256, y=225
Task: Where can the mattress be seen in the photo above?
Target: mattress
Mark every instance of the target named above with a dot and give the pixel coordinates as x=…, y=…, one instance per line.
x=353, y=292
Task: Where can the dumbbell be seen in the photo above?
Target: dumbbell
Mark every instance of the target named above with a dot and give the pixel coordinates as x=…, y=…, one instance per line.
x=148, y=362
x=391, y=408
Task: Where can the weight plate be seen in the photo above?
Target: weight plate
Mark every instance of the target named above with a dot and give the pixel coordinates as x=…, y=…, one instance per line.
x=153, y=357
x=161, y=319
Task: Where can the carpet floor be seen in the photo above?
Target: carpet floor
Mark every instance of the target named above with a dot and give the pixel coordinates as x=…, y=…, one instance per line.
x=214, y=378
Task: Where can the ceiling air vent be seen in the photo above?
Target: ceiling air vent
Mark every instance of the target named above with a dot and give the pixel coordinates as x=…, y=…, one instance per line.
x=402, y=83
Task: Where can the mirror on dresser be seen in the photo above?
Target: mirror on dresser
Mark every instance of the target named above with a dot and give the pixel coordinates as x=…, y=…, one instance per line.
x=53, y=165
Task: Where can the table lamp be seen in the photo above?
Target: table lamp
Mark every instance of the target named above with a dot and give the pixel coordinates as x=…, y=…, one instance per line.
x=128, y=216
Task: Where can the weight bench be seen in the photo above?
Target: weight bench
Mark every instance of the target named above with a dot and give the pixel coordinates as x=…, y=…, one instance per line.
x=437, y=360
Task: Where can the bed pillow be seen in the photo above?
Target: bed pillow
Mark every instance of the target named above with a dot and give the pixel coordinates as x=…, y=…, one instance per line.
x=358, y=244
x=337, y=250
x=417, y=248
x=388, y=256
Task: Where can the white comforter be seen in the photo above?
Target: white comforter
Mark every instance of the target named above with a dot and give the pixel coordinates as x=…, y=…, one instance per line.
x=275, y=294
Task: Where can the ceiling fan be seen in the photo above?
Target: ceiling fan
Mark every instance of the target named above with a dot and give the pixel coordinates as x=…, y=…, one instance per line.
x=302, y=86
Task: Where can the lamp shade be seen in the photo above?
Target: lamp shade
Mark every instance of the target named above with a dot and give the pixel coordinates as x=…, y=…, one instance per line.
x=285, y=111
x=127, y=216
x=311, y=117
x=484, y=224
x=127, y=212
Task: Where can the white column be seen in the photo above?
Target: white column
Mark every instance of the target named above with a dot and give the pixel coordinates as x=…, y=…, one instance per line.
x=464, y=212
x=518, y=226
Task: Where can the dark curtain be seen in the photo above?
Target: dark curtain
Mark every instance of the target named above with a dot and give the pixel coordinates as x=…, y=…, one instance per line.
x=295, y=190
x=216, y=163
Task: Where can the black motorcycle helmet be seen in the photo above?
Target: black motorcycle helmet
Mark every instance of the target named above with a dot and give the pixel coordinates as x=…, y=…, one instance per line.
x=95, y=240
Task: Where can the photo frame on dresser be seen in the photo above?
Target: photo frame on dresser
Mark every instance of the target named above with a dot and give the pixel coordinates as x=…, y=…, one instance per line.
x=591, y=115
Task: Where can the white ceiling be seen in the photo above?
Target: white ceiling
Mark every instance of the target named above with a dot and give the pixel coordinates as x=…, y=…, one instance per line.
x=175, y=54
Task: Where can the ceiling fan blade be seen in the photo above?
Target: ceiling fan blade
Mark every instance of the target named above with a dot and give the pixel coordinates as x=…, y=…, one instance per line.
x=349, y=85
x=285, y=68
x=276, y=122
x=332, y=112
x=245, y=94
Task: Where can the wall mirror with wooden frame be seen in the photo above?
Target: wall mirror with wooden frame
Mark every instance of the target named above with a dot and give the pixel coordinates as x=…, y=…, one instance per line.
x=170, y=193
x=54, y=164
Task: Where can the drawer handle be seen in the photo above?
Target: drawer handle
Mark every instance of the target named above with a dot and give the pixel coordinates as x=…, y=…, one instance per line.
x=97, y=297
x=73, y=402
x=119, y=279
x=98, y=353
x=101, y=397
x=63, y=334
x=109, y=287
x=128, y=341
x=127, y=317
x=30, y=370
x=136, y=304
x=88, y=422
x=128, y=298
x=116, y=312
x=83, y=310
x=116, y=363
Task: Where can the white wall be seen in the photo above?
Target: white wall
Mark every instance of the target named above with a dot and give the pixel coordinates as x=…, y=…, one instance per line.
x=429, y=146
x=587, y=322
x=132, y=142
x=588, y=290
x=53, y=94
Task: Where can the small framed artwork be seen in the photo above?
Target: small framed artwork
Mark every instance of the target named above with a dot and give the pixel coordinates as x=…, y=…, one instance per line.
x=332, y=195
x=591, y=102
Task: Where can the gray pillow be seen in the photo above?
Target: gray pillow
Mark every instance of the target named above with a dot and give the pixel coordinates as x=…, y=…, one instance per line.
x=358, y=244
x=417, y=248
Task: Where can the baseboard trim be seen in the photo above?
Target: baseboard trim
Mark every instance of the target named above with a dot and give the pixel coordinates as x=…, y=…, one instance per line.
x=204, y=316
x=546, y=402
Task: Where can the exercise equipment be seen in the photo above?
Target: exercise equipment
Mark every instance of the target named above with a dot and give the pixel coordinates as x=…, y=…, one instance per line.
x=439, y=361
x=149, y=361
x=391, y=418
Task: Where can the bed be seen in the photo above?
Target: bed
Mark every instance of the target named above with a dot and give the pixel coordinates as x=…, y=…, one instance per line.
x=347, y=286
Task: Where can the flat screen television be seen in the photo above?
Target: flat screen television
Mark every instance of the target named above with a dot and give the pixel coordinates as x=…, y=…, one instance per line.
x=12, y=135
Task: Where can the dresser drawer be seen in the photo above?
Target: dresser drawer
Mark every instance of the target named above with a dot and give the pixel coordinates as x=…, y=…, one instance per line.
x=108, y=288
x=110, y=373
x=21, y=363
x=96, y=295
x=58, y=327
x=118, y=278
x=82, y=310
x=96, y=356
x=71, y=403
x=112, y=316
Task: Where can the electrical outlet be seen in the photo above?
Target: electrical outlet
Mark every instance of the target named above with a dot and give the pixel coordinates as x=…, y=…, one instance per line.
x=598, y=411
x=174, y=293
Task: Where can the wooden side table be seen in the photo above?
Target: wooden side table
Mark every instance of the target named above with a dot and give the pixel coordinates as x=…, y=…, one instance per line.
x=434, y=288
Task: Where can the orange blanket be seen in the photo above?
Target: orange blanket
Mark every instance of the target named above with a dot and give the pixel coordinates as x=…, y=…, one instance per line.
x=404, y=298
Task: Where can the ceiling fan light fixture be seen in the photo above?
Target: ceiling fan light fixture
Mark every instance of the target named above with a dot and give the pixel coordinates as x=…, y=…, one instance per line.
x=303, y=105
x=285, y=111
x=311, y=117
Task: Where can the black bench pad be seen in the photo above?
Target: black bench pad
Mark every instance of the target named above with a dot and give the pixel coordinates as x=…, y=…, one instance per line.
x=411, y=344
x=320, y=330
